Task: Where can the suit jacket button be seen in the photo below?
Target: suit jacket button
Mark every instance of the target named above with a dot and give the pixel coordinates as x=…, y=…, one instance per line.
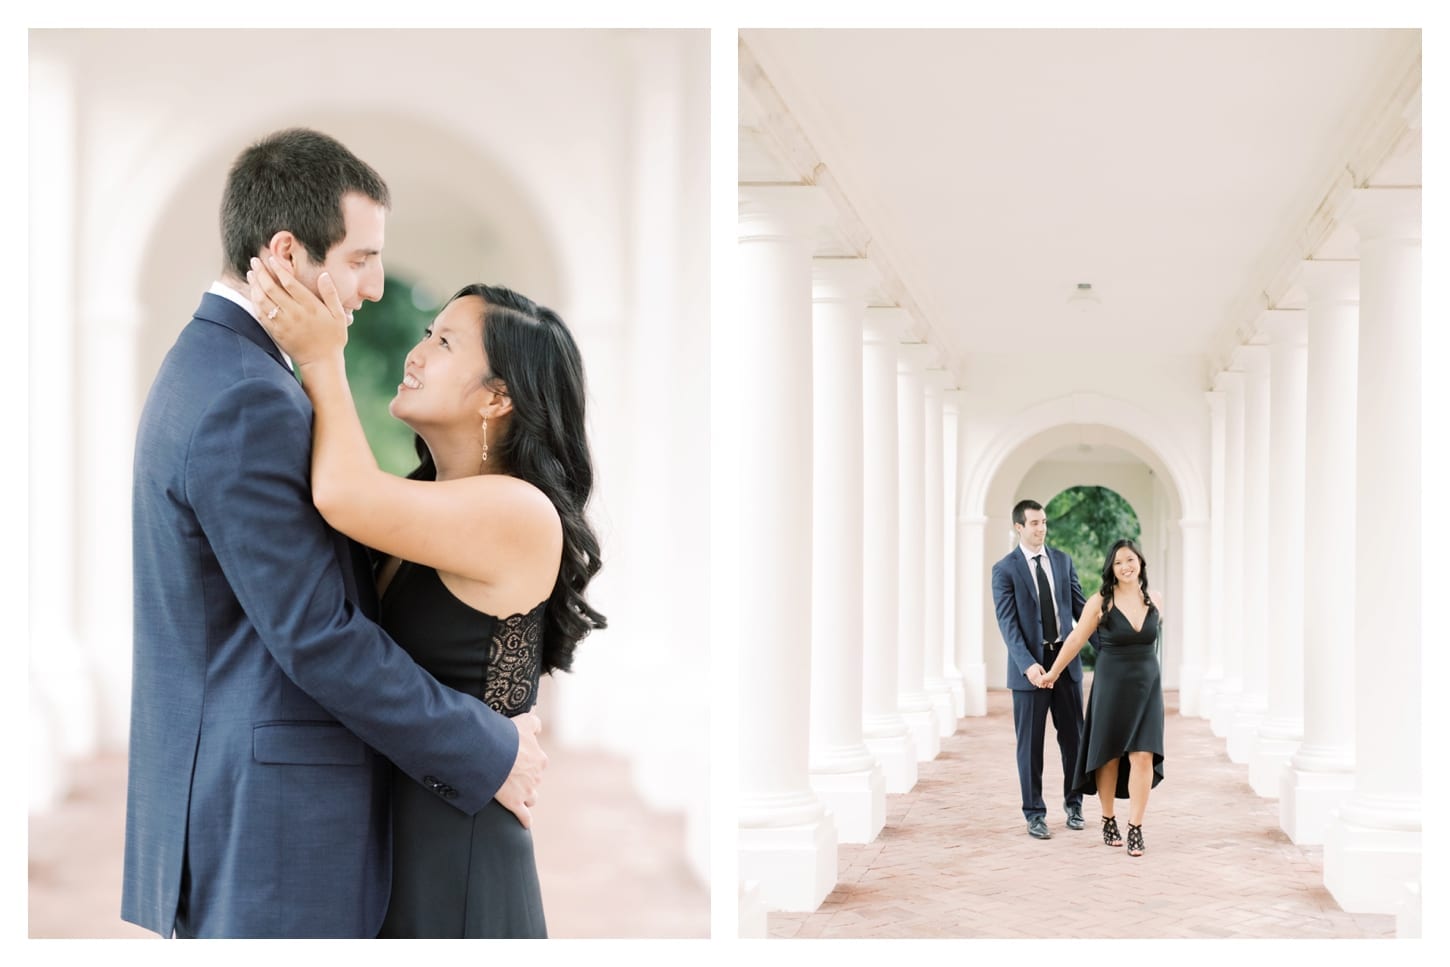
x=450, y=793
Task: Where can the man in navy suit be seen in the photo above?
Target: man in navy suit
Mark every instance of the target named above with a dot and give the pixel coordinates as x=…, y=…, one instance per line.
x=265, y=702
x=1038, y=599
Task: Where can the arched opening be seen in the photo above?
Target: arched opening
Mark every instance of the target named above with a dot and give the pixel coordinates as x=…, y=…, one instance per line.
x=1087, y=441
x=1083, y=521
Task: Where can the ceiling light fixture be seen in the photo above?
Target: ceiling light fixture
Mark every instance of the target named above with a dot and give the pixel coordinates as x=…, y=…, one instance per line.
x=1084, y=298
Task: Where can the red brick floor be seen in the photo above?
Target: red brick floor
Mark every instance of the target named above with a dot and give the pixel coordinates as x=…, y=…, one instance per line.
x=955, y=859
x=609, y=867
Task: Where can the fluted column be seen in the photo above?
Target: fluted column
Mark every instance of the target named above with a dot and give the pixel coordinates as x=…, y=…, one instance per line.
x=843, y=772
x=951, y=430
x=1231, y=687
x=1372, y=846
x=1320, y=775
x=933, y=664
x=1254, y=701
x=1283, y=726
x=911, y=696
x=787, y=839
x=1210, y=679
x=887, y=735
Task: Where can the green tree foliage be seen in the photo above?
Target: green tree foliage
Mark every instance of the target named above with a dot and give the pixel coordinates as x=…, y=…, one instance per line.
x=381, y=335
x=1084, y=522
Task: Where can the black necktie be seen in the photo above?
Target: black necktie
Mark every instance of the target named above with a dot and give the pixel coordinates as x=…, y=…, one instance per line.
x=1044, y=603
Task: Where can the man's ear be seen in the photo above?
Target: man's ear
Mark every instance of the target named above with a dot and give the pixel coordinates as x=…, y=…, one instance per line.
x=284, y=247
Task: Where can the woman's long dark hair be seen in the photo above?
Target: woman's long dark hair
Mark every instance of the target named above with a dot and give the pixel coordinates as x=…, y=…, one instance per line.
x=1110, y=579
x=534, y=358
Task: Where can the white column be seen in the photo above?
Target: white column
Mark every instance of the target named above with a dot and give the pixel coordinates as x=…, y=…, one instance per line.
x=63, y=697
x=1320, y=775
x=1211, y=669
x=971, y=576
x=787, y=839
x=1230, y=690
x=1254, y=701
x=1283, y=725
x=911, y=696
x=843, y=772
x=951, y=417
x=1196, y=604
x=886, y=732
x=1372, y=846
x=933, y=664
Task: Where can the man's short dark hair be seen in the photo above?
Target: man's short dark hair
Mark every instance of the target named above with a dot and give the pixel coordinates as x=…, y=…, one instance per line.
x=1019, y=513
x=294, y=181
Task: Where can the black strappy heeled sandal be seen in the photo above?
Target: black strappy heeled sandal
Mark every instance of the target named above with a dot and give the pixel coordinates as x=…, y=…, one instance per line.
x=1135, y=840
x=1111, y=836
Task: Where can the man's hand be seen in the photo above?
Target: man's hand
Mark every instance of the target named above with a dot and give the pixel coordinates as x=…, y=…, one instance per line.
x=520, y=790
x=1034, y=674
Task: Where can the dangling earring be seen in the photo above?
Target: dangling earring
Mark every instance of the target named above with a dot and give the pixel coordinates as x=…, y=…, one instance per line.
x=485, y=439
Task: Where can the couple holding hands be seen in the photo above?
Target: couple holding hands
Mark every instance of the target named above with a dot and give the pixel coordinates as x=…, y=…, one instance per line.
x=1117, y=749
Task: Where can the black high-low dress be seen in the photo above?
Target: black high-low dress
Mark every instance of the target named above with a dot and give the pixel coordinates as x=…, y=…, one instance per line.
x=456, y=875
x=1125, y=707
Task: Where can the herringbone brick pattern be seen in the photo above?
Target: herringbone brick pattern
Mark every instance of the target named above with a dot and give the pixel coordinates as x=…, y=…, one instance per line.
x=955, y=859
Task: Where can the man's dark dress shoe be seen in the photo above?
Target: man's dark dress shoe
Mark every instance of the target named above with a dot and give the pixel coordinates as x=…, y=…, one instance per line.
x=1037, y=828
x=1074, y=815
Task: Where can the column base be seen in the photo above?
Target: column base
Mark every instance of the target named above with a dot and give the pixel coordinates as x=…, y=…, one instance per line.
x=858, y=800
x=1243, y=733
x=974, y=681
x=1371, y=850
x=1190, y=681
x=958, y=690
x=1208, y=697
x=941, y=706
x=1276, y=743
x=1407, y=921
x=750, y=914
x=795, y=866
x=1225, y=706
x=921, y=723
x=1307, y=800
x=897, y=755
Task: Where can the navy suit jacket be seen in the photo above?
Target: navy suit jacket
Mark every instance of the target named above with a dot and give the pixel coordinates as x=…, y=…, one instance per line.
x=1014, y=593
x=263, y=698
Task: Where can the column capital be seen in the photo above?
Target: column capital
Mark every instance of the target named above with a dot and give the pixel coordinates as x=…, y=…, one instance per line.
x=781, y=212
x=1384, y=213
x=1216, y=399
x=914, y=357
x=841, y=280
x=1330, y=281
x=1252, y=359
x=1285, y=327
x=1228, y=381
x=886, y=324
x=952, y=399
x=938, y=380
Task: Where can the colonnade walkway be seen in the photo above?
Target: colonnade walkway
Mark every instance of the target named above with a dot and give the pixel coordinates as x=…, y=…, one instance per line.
x=955, y=860
x=608, y=866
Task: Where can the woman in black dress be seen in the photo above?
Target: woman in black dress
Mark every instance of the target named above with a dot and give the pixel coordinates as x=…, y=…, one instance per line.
x=484, y=553
x=1121, y=752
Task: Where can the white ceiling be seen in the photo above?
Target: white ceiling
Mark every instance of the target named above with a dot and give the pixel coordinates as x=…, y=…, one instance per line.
x=1177, y=171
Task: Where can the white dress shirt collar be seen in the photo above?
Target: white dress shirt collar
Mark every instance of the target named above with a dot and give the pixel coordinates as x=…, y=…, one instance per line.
x=227, y=292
